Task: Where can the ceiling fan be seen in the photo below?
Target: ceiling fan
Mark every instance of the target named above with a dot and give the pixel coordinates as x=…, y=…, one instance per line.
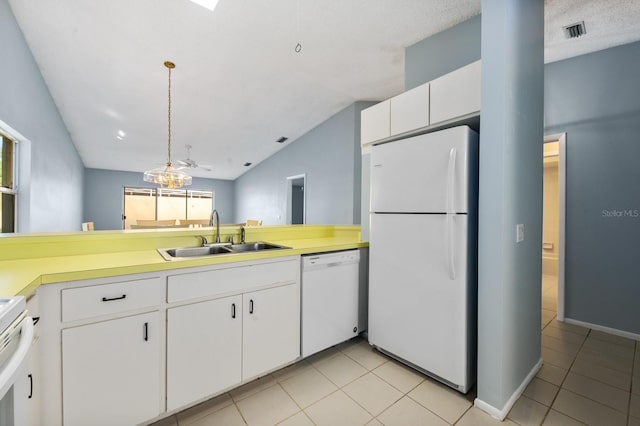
x=188, y=163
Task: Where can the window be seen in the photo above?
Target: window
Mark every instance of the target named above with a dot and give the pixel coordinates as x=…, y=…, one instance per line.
x=8, y=191
x=154, y=208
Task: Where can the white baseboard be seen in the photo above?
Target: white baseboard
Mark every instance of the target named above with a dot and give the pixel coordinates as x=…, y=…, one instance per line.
x=500, y=414
x=609, y=330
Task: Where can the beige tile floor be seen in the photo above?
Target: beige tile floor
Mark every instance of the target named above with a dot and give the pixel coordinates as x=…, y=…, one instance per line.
x=588, y=377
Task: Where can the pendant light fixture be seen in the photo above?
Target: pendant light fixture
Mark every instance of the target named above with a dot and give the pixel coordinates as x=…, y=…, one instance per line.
x=168, y=176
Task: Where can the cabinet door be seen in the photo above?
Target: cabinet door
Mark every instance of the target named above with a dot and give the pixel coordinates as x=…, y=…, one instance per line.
x=112, y=371
x=32, y=389
x=203, y=349
x=375, y=122
x=456, y=94
x=410, y=110
x=271, y=329
x=33, y=376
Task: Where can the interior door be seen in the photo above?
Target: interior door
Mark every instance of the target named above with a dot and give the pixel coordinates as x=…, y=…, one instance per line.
x=423, y=174
x=418, y=295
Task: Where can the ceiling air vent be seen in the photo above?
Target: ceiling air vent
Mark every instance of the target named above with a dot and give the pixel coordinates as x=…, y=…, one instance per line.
x=574, y=30
x=282, y=139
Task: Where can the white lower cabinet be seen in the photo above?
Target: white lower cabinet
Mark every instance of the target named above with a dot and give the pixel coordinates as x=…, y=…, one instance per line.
x=33, y=379
x=216, y=344
x=271, y=329
x=204, y=349
x=29, y=389
x=156, y=343
x=111, y=371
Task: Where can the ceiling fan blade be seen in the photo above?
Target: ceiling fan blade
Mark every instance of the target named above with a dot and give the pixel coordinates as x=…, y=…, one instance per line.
x=183, y=163
x=207, y=168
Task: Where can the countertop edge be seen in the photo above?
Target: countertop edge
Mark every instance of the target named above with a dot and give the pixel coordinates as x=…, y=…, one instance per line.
x=75, y=274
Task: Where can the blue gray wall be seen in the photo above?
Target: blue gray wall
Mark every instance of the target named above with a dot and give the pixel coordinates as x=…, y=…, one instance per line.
x=51, y=171
x=510, y=272
x=595, y=99
x=329, y=155
x=442, y=53
x=103, y=196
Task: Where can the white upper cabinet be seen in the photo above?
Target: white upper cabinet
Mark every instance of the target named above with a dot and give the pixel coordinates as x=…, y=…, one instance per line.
x=456, y=94
x=453, y=96
x=375, y=123
x=410, y=110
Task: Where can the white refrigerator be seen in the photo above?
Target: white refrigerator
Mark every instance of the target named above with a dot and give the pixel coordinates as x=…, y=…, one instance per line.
x=423, y=253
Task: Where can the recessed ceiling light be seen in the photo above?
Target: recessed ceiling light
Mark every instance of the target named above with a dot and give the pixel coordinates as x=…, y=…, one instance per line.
x=282, y=139
x=247, y=164
x=209, y=4
x=119, y=137
x=121, y=133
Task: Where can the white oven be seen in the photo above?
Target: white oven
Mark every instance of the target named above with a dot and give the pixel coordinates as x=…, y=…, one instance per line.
x=16, y=338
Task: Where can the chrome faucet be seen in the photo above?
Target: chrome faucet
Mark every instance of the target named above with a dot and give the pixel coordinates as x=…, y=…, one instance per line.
x=204, y=240
x=215, y=213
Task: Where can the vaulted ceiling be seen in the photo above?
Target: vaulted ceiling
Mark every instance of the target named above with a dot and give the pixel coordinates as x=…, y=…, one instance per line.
x=239, y=83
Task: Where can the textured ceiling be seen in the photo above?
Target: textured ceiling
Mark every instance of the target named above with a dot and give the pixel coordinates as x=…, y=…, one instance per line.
x=608, y=23
x=238, y=84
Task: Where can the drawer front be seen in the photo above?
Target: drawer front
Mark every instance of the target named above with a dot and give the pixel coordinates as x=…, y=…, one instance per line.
x=105, y=299
x=230, y=280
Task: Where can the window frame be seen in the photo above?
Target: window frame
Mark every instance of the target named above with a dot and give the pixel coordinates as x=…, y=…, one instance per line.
x=157, y=193
x=8, y=134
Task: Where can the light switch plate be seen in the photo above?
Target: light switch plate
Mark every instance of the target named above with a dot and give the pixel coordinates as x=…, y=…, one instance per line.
x=519, y=232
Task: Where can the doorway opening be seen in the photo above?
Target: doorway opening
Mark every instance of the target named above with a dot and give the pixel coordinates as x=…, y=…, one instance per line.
x=296, y=199
x=553, y=227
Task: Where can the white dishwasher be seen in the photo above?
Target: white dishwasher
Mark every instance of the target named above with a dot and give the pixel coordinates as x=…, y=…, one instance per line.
x=330, y=291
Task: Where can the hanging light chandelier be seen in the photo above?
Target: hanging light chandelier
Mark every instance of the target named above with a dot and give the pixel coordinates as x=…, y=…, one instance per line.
x=168, y=176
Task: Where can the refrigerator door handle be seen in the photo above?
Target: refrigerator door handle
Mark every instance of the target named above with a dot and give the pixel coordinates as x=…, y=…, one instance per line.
x=451, y=181
x=451, y=250
x=451, y=185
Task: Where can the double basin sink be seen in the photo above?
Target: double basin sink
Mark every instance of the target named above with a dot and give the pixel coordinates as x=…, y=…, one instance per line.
x=217, y=249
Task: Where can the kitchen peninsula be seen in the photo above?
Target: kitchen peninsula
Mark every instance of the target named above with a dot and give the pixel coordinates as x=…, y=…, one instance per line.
x=121, y=326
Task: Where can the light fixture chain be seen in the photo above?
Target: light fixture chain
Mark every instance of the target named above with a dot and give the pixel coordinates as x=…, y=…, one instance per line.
x=169, y=116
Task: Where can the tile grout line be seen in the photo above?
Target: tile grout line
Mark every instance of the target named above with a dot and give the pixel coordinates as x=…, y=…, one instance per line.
x=235, y=404
x=564, y=378
x=585, y=397
x=633, y=367
x=373, y=417
x=403, y=394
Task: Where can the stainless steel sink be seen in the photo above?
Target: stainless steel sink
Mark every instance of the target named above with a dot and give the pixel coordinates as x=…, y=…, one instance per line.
x=197, y=251
x=216, y=249
x=259, y=246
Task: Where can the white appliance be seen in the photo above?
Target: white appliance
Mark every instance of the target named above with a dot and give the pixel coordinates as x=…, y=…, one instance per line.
x=423, y=253
x=16, y=337
x=330, y=292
